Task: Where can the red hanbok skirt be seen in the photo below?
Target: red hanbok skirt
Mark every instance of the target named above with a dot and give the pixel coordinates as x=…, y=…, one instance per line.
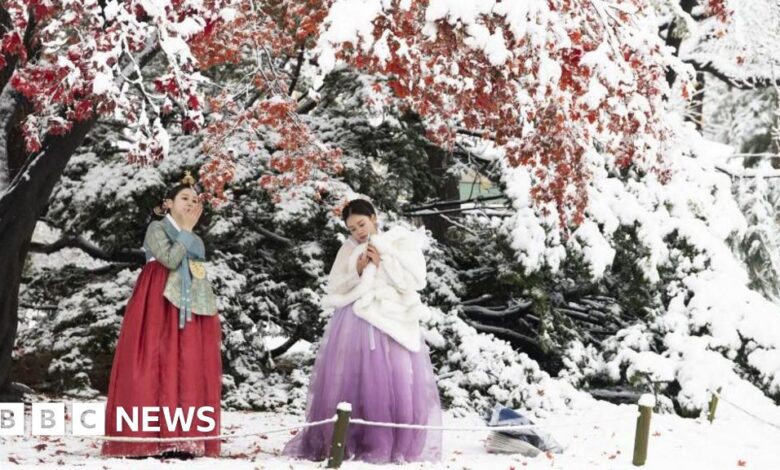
x=156, y=364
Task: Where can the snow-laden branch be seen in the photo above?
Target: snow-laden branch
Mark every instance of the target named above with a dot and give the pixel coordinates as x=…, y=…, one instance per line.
x=79, y=242
x=742, y=82
x=513, y=309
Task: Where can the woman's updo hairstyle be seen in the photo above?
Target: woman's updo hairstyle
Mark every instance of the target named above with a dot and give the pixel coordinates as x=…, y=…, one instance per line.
x=187, y=182
x=357, y=207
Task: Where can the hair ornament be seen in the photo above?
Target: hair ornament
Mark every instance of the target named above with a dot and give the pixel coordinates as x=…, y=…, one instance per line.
x=188, y=180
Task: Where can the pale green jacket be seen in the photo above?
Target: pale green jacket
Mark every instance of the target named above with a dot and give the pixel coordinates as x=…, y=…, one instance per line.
x=186, y=288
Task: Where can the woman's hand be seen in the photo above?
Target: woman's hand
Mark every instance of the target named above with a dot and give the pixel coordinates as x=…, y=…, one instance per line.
x=373, y=254
x=362, y=262
x=192, y=216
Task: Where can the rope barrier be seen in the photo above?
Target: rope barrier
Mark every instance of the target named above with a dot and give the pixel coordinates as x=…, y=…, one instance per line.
x=486, y=428
x=752, y=415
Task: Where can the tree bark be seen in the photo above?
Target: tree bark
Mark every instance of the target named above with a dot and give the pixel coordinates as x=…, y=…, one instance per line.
x=20, y=206
x=31, y=180
x=439, y=162
x=674, y=40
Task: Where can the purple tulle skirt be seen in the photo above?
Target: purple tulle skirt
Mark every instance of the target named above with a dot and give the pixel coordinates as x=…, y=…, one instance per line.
x=384, y=382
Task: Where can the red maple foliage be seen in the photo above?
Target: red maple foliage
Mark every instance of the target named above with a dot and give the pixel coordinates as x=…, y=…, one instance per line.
x=581, y=77
x=556, y=84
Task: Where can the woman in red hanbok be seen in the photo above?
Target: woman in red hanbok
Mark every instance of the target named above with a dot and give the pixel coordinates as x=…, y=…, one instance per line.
x=168, y=354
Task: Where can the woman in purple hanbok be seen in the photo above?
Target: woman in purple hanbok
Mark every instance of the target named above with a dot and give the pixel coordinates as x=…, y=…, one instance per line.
x=372, y=354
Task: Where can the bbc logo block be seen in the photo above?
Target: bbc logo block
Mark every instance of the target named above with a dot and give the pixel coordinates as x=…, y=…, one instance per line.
x=49, y=419
x=11, y=419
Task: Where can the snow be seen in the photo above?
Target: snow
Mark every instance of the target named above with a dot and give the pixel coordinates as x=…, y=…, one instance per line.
x=713, y=315
x=302, y=346
x=111, y=10
x=155, y=8
x=493, y=44
x=647, y=400
x=596, y=94
x=599, y=60
x=455, y=11
x=102, y=83
x=598, y=435
x=228, y=14
x=43, y=233
x=344, y=406
x=595, y=248
x=348, y=21
x=188, y=27
x=745, y=47
x=549, y=72
x=175, y=46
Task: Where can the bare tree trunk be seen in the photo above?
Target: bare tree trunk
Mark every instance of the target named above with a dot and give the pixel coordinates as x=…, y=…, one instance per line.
x=24, y=200
x=674, y=38
x=439, y=162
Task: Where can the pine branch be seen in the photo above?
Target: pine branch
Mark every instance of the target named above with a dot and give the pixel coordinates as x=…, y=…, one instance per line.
x=477, y=300
x=284, y=347
x=135, y=257
x=580, y=316
x=37, y=307
x=516, y=308
x=506, y=333
x=306, y=106
x=272, y=235
x=448, y=211
x=444, y=204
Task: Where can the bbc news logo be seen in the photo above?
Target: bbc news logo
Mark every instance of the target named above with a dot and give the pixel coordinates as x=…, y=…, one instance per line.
x=88, y=419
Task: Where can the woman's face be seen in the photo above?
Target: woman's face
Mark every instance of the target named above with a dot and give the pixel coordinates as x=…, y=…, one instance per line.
x=361, y=226
x=185, y=201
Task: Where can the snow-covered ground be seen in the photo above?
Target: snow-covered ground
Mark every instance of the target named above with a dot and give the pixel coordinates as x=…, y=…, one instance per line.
x=598, y=435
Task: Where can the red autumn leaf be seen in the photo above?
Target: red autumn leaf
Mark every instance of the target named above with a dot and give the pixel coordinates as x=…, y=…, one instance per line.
x=193, y=102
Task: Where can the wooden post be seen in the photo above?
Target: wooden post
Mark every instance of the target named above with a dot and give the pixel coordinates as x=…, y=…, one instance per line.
x=713, y=406
x=343, y=410
x=646, y=404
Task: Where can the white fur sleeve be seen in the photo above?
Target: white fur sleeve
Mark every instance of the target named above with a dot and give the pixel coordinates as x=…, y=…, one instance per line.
x=343, y=275
x=344, y=284
x=402, y=261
